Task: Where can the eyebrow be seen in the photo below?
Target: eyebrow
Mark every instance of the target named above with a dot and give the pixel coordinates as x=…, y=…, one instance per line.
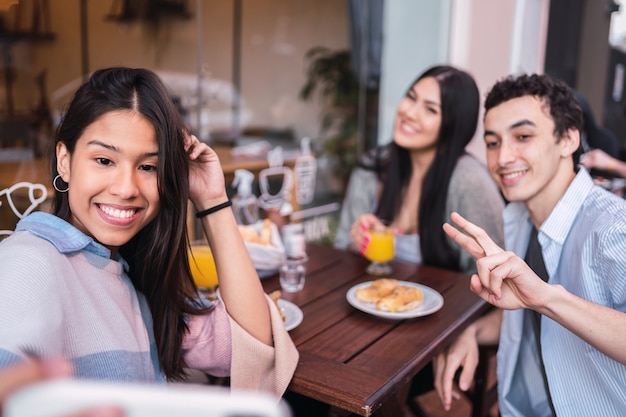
x=523, y=122
x=432, y=103
x=117, y=150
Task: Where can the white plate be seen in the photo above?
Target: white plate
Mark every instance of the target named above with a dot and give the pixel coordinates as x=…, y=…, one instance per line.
x=292, y=312
x=433, y=301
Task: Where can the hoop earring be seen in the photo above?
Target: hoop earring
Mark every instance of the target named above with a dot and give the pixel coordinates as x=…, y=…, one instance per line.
x=54, y=184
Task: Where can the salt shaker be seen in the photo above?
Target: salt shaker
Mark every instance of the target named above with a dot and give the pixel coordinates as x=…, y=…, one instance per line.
x=294, y=240
x=293, y=269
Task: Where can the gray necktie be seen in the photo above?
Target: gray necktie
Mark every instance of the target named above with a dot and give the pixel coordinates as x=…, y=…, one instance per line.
x=534, y=259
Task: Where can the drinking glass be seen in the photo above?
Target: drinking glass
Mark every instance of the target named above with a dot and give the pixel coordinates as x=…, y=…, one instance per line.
x=380, y=250
x=292, y=274
x=203, y=270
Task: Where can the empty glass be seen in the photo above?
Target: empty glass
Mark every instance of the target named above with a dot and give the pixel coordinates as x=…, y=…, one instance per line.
x=293, y=274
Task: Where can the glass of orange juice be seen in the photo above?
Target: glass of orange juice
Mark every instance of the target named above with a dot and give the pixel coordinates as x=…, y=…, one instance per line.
x=202, y=267
x=380, y=250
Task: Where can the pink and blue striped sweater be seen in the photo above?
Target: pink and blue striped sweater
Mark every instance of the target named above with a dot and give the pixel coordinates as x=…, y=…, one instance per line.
x=61, y=295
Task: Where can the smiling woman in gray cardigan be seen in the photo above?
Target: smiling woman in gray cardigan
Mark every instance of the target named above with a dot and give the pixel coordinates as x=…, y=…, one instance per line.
x=424, y=174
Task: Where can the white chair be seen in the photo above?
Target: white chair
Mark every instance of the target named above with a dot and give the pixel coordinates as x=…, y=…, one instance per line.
x=37, y=194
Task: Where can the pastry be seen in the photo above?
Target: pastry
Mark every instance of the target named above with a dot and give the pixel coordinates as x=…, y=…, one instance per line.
x=402, y=298
x=376, y=290
x=275, y=296
x=262, y=237
x=265, y=234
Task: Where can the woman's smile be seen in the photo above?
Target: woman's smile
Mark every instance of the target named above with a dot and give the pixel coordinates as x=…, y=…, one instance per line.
x=116, y=212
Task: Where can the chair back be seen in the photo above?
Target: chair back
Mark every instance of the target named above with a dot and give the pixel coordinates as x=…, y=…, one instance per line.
x=22, y=199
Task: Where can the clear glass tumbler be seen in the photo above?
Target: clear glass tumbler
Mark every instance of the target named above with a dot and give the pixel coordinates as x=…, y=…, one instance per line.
x=293, y=274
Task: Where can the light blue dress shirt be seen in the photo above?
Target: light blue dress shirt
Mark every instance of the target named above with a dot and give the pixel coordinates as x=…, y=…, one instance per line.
x=584, y=248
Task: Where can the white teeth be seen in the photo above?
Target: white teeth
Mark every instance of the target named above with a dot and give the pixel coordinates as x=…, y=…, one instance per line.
x=120, y=214
x=513, y=175
x=408, y=128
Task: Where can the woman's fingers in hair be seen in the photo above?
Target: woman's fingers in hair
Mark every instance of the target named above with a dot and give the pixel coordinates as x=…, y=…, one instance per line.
x=194, y=147
x=199, y=150
x=189, y=140
x=191, y=143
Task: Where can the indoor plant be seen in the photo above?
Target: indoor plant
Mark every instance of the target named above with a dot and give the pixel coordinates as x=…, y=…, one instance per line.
x=331, y=78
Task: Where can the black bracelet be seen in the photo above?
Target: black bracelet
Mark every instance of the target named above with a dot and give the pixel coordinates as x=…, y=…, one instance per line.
x=213, y=209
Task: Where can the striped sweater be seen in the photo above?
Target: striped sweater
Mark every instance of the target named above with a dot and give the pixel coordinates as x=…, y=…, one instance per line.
x=61, y=295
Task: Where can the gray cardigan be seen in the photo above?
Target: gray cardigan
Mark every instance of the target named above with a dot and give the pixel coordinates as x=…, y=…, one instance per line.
x=472, y=193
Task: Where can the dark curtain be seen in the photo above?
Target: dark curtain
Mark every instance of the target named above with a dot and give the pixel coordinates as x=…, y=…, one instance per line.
x=366, y=36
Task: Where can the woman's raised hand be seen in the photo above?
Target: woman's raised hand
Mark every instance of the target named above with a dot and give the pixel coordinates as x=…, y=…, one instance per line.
x=206, y=177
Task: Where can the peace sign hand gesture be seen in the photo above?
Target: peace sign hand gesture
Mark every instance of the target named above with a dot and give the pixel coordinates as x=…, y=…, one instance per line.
x=503, y=278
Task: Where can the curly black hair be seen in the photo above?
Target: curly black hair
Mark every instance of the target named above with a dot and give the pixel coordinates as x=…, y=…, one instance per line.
x=557, y=97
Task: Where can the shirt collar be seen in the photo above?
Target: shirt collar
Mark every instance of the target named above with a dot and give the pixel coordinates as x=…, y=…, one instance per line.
x=561, y=218
x=517, y=222
x=65, y=237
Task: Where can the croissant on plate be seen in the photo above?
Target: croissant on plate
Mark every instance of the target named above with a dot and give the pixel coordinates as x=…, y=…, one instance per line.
x=376, y=290
x=402, y=298
x=275, y=296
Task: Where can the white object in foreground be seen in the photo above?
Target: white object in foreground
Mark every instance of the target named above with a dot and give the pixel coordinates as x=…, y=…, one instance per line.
x=62, y=397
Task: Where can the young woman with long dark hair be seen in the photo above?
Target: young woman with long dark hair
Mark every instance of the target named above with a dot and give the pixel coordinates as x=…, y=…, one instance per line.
x=424, y=174
x=105, y=280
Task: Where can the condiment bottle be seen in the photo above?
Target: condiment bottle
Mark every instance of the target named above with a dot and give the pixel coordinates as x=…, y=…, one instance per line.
x=244, y=202
x=305, y=171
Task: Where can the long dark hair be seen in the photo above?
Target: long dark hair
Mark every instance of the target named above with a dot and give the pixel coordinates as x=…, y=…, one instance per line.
x=157, y=255
x=459, y=110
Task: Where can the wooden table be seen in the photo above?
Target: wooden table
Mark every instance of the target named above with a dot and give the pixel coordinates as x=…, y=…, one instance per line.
x=356, y=361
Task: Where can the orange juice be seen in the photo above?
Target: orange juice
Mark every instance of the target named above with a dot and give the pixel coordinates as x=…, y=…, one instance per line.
x=380, y=248
x=202, y=266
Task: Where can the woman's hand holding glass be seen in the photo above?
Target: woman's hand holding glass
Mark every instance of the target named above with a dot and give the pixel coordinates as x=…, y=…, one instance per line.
x=375, y=241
